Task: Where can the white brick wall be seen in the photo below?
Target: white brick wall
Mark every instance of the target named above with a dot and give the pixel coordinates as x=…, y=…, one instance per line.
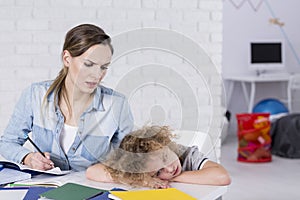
x=32, y=34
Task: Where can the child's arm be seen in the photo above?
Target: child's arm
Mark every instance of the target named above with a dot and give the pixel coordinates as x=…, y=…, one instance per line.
x=210, y=174
x=98, y=172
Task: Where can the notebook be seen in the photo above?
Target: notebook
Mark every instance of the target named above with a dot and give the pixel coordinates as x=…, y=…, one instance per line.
x=33, y=192
x=10, y=175
x=165, y=194
x=24, y=168
x=72, y=191
x=104, y=196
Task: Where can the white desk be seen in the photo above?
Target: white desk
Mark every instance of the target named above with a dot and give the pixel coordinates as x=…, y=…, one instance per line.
x=203, y=192
x=252, y=80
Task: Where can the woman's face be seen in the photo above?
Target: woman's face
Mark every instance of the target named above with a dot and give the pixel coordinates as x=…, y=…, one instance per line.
x=87, y=70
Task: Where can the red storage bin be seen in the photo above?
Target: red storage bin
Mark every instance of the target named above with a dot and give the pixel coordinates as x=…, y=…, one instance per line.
x=254, y=137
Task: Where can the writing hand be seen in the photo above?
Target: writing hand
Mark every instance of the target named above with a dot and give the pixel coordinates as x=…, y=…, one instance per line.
x=35, y=160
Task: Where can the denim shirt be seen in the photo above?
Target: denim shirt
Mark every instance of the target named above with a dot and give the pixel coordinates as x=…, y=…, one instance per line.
x=101, y=127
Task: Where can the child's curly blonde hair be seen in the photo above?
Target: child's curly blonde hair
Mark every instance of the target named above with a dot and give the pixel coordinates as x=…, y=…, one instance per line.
x=129, y=168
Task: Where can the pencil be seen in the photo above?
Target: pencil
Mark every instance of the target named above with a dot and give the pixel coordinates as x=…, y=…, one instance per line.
x=36, y=147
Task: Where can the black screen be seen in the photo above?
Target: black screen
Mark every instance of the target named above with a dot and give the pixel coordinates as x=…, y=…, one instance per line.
x=266, y=53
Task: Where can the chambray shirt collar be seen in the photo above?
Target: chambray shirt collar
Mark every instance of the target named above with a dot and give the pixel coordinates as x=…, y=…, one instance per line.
x=97, y=101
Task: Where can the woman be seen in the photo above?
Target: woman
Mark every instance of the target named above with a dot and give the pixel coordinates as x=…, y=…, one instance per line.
x=74, y=120
x=148, y=157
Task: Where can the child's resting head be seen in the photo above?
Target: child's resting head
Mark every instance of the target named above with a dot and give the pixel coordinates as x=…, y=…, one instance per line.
x=144, y=154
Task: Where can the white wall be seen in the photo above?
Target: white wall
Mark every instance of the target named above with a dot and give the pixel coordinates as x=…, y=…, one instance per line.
x=248, y=20
x=32, y=33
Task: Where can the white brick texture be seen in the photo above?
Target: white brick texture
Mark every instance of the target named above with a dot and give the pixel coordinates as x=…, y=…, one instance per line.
x=32, y=34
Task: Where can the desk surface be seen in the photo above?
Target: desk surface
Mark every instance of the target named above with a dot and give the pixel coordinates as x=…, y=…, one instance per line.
x=260, y=78
x=203, y=192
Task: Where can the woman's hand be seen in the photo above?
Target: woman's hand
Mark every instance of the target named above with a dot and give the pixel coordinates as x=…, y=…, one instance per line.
x=35, y=160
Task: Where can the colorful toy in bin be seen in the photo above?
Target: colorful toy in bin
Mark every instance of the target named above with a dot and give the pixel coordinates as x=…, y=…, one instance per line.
x=254, y=137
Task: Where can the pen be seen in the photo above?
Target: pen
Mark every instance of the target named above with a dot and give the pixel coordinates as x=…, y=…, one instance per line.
x=36, y=147
x=15, y=188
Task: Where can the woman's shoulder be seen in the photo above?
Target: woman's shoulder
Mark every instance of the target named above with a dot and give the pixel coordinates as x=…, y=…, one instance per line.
x=42, y=84
x=110, y=92
x=38, y=86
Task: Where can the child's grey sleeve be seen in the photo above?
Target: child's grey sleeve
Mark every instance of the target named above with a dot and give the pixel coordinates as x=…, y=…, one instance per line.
x=193, y=159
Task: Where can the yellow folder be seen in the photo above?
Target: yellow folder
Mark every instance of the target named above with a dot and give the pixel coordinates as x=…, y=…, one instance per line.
x=165, y=194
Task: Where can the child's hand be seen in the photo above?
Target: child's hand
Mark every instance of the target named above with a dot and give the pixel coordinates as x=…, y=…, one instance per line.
x=158, y=183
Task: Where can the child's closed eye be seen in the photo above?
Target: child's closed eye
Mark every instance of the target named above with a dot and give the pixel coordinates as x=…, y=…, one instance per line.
x=158, y=172
x=155, y=174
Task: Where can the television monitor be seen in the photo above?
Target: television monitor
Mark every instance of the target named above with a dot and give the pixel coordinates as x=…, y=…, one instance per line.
x=267, y=56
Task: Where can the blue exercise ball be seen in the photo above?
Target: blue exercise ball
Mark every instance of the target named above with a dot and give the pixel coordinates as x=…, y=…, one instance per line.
x=272, y=106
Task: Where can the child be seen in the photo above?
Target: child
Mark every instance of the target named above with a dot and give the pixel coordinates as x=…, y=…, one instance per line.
x=148, y=157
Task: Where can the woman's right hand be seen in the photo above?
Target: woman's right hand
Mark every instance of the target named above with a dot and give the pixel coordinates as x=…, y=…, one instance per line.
x=35, y=160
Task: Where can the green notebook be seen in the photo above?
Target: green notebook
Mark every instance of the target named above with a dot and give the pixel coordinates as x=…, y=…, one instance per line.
x=72, y=191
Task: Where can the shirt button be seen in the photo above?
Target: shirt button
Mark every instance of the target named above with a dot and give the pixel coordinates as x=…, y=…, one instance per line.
x=73, y=149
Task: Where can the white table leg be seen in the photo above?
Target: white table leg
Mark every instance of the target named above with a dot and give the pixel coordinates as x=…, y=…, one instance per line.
x=229, y=94
x=252, y=94
x=246, y=93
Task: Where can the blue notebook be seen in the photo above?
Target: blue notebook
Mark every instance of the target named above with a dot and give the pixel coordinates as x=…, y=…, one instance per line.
x=34, y=192
x=24, y=168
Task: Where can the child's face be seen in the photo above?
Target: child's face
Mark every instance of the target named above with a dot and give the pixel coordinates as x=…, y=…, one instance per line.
x=170, y=171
